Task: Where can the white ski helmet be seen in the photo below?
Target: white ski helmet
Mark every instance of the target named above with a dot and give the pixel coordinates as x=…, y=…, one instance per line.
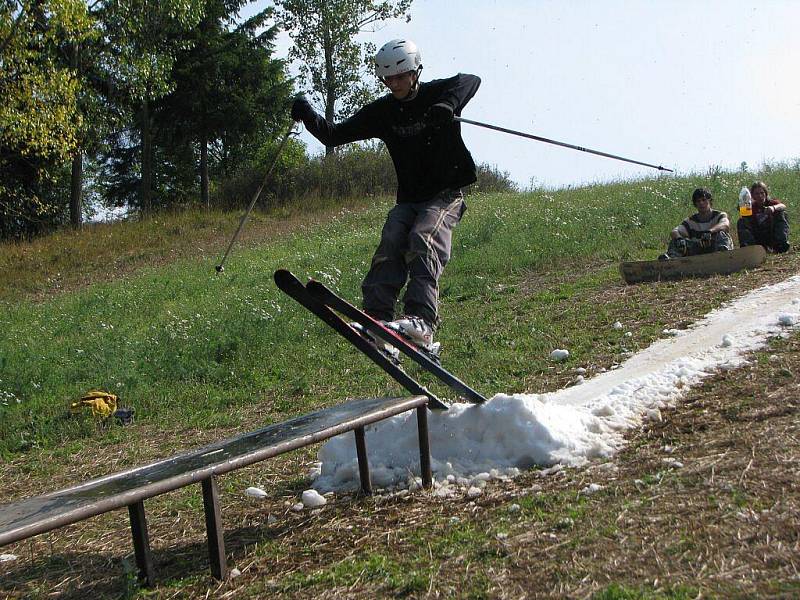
x=397, y=56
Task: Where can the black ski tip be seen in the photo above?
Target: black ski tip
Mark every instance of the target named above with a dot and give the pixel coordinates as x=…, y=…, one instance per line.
x=284, y=276
x=316, y=286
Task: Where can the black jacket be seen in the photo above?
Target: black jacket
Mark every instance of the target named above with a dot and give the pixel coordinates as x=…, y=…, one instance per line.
x=427, y=159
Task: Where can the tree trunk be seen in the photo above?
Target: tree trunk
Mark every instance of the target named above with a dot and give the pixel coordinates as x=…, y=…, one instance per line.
x=330, y=80
x=75, y=204
x=145, y=197
x=330, y=100
x=204, y=170
x=76, y=182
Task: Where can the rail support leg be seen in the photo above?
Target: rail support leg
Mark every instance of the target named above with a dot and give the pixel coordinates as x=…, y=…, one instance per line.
x=424, y=447
x=363, y=463
x=214, y=529
x=141, y=544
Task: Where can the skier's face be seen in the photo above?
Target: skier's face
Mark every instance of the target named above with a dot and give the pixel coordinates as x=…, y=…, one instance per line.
x=400, y=85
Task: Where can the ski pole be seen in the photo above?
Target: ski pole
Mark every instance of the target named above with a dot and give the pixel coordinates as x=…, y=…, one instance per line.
x=564, y=144
x=220, y=267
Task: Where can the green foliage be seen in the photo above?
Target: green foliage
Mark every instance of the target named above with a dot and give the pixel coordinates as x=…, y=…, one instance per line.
x=492, y=180
x=334, y=67
x=355, y=171
x=146, y=36
x=65, y=64
x=39, y=116
x=229, y=92
x=217, y=88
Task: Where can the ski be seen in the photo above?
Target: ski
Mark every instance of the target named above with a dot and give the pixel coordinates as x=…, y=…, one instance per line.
x=329, y=298
x=293, y=287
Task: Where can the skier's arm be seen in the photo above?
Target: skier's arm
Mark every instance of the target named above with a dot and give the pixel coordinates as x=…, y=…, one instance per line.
x=456, y=92
x=357, y=127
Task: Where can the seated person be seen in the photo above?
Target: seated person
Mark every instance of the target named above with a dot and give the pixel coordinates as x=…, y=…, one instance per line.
x=703, y=232
x=768, y=224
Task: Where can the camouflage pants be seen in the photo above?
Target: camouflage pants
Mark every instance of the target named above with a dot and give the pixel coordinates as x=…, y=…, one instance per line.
x=414, y=248
x=720, y=241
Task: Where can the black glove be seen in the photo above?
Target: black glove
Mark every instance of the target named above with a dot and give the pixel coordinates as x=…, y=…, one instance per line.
x=705, y=239
x=439, y=115
x=301, y=109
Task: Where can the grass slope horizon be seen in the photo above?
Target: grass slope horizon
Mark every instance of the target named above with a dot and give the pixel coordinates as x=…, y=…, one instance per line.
x=202, y=356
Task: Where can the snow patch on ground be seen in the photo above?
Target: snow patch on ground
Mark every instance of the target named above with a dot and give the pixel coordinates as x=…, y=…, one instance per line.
x=515, y=431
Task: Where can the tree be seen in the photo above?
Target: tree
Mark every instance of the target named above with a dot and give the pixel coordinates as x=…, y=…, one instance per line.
x=144, y=37
x=228, y=89
x=332, y=63
x=39, y=116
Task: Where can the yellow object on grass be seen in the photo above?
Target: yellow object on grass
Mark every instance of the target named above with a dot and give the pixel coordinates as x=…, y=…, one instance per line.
x=102, y=404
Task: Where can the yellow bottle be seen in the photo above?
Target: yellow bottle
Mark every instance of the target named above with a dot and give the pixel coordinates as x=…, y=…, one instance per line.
x=745, y=203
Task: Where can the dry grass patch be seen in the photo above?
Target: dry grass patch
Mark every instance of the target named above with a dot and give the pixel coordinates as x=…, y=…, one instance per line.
x=71, y=260
x=724, y=524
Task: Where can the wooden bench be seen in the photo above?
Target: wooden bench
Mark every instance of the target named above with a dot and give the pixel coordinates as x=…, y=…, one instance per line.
x=25, y=518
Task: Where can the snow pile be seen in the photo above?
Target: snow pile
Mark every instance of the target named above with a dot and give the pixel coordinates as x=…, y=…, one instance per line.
x=516, y=431
x=254, y=492
x=506, y=432
x=312, y=499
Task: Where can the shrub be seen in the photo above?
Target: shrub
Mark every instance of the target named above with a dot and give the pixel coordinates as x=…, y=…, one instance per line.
x=354, y=170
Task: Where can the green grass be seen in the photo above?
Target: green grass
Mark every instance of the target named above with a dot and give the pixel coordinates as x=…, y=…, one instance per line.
x=620, y=592
x=370, y=568
x=186, y=347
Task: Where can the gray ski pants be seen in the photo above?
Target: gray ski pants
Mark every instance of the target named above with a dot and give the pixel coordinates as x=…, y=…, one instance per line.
x=415, y=247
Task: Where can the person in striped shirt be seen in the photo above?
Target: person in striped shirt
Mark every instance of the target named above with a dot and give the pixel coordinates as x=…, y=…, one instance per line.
x=705, y=231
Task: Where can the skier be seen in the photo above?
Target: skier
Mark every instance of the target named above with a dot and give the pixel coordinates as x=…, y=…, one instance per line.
x=415, y=121
x=768, y=225
x=705, y=231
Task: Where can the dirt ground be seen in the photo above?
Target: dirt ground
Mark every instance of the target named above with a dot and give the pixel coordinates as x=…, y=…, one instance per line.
x=708, y=498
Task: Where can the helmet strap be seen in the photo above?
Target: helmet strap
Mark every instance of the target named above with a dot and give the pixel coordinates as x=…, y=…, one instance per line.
x=414, y=86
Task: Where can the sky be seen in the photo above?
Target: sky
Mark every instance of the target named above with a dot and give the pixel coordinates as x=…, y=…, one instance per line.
x=472, y=444
x=687, y=84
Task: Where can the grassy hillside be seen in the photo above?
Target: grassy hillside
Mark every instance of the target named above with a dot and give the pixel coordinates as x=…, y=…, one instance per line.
x=187, y=347
x=137, y=309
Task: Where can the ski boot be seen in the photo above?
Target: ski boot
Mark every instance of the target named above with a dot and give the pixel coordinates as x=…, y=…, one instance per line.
x=418, y=332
